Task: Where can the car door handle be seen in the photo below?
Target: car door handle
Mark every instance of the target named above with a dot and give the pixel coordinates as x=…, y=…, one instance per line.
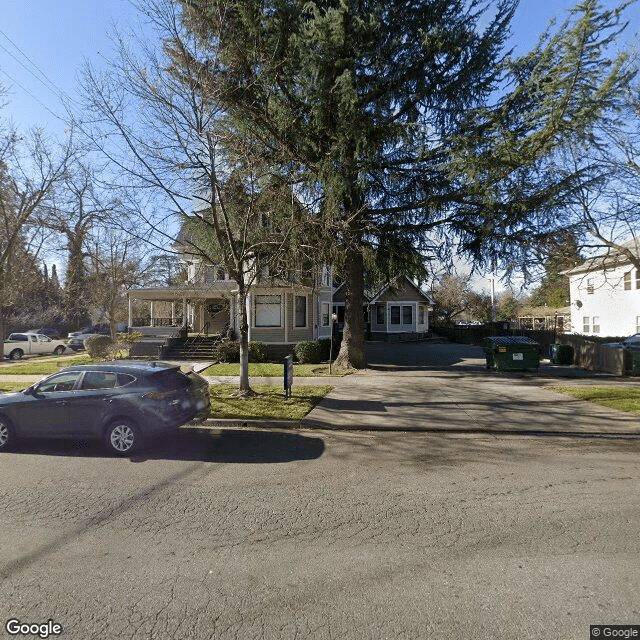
x=62, y=403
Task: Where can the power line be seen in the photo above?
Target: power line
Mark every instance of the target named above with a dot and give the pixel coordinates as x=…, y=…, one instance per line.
x=42, y=104
x=46, y=81
x=40, y=76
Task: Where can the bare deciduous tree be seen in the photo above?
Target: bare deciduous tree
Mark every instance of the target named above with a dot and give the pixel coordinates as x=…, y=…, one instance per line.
x=173, y=140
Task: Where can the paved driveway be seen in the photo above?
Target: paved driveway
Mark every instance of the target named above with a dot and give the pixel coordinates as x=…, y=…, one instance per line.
x=446, y=387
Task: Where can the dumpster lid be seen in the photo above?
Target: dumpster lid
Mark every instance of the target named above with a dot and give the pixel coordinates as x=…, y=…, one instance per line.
x=510, y=340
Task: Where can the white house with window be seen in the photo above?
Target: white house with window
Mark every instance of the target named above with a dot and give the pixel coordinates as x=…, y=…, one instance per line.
x=605, y=295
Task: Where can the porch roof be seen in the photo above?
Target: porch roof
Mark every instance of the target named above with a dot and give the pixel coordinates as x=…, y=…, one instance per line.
x=175, y=293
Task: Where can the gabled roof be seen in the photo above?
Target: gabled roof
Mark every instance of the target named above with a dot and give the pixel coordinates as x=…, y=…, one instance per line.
x=339, y=295
x=400, y=281
x=610, y=260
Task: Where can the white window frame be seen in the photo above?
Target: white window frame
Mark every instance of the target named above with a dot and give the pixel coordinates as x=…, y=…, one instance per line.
x=399, y=308
x=381, y=311
x=410, y=307
x=273, y=304
x=421, y=314
x=627, y=281
x=586, y=324
x=595, y=324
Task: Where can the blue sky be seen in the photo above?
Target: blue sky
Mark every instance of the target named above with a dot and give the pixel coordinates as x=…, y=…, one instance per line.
x=56, y=35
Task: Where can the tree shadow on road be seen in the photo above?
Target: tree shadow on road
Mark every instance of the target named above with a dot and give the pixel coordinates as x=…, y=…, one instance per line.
x=245, y=446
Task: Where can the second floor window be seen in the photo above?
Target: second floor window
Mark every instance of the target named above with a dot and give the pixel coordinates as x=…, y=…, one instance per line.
x=589, y=285
x=627, y=281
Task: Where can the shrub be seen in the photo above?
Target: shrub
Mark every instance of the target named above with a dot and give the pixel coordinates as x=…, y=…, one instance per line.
x=257, y=351
x=101, y=347
x=325, y=348
x=308, y=352
x=227, y=350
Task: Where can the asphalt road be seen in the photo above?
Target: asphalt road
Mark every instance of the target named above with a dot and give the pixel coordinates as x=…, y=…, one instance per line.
x=315, y=534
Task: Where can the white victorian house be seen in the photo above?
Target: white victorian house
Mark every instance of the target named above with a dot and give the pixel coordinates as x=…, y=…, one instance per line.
x=605, y=294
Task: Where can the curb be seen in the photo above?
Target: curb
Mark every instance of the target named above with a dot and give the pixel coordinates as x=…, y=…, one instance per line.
x=233, y=423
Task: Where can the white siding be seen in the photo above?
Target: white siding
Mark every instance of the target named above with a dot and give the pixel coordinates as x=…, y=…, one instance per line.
x=602, y=299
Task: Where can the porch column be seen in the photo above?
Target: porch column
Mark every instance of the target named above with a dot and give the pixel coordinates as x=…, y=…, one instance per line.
x=129, y=311
x=173, y=312
x=185, y=320
x=151, y=306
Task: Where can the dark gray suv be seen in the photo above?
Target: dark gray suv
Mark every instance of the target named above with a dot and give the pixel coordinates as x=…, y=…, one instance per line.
x=122, y=403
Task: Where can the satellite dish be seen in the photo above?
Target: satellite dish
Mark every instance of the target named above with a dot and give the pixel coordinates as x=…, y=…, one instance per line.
x=578, y=303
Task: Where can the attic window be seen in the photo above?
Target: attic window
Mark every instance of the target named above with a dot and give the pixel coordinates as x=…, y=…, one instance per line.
x=627, y=281
x=590, y=286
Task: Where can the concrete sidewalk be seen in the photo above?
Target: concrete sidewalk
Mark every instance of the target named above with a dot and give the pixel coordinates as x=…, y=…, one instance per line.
x=445, y=387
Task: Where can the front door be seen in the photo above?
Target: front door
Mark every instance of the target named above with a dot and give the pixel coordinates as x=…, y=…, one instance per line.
x=50, y=411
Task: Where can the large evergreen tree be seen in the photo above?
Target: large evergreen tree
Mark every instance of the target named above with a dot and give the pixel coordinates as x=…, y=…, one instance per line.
x=380, y=110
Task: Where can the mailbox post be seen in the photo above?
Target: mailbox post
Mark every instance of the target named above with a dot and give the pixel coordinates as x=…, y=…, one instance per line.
x=334, y=317
x=288, y=376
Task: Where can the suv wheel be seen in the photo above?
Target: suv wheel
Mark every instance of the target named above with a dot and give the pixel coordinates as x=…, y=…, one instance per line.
x=122, y=437
x=6, y=435
x=16, y=354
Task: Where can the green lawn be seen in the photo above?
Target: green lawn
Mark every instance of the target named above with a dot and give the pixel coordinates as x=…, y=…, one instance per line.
x=269, y=403
x=621, y=398
x=267, y=370
x=12, y=386
x=41, y=367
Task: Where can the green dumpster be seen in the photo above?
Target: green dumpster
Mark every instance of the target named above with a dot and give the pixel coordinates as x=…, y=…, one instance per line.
x=561, y=354
x=632, y=361
x=512, y=353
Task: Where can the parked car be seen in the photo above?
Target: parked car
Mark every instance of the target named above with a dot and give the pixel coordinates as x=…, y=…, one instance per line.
x=26, y=344
x=56, y=333
x=121, y=403
x=77, y=342
x=95, y=329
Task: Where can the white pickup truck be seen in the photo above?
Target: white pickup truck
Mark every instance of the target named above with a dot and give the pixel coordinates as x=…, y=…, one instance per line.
x=26, y=344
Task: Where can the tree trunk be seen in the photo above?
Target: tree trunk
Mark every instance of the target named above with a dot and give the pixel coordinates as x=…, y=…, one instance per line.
x=352, y=354
x=243, y=322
